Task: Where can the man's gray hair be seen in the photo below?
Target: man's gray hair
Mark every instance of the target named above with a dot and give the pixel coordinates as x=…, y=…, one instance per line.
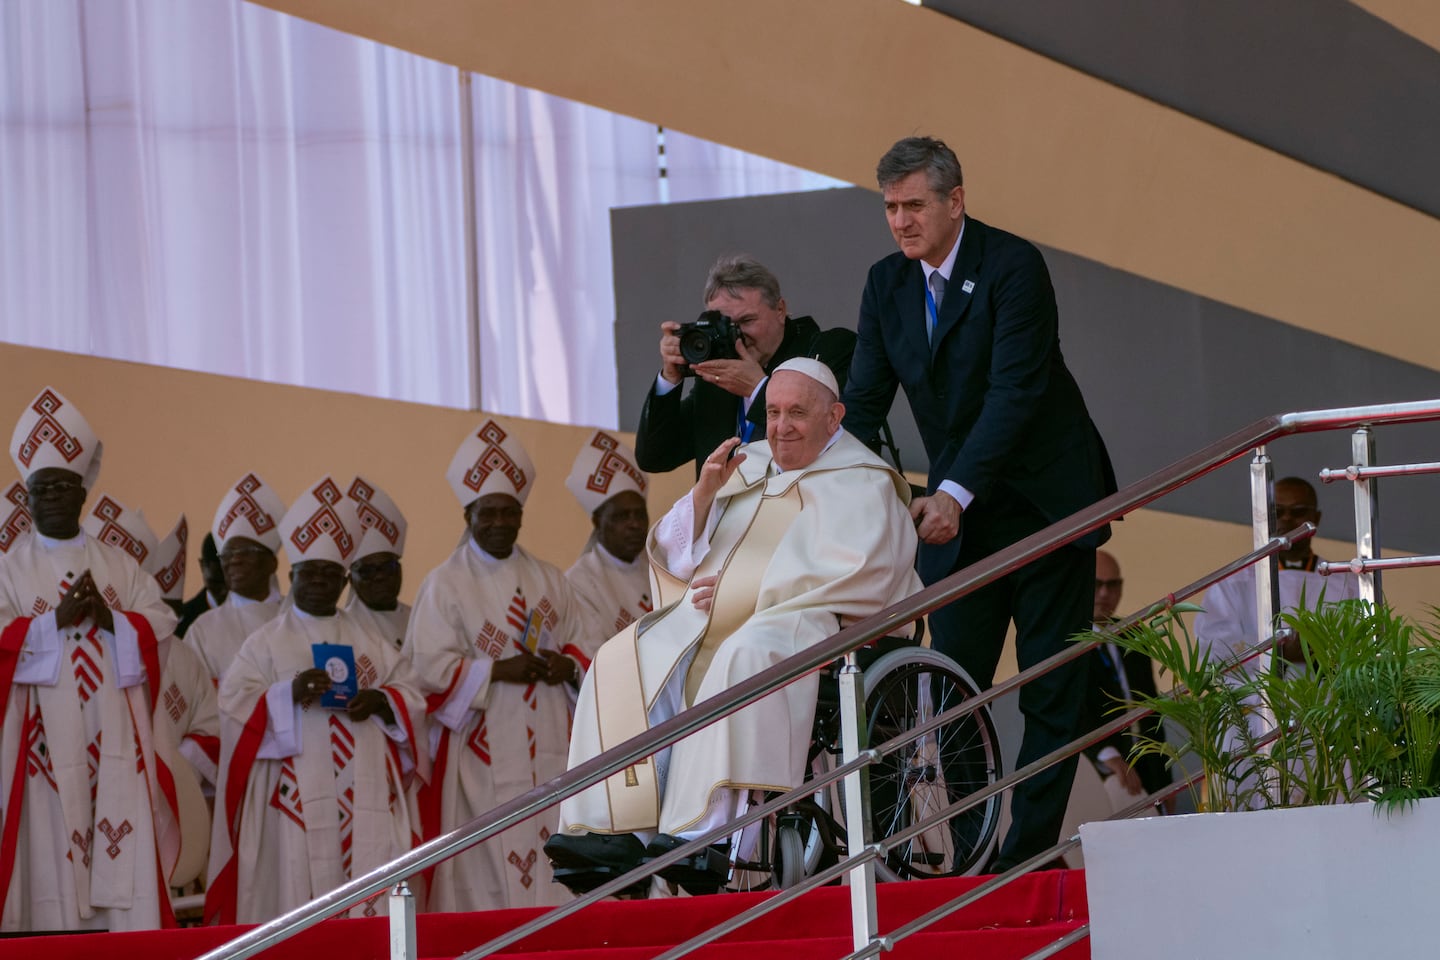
x=737, y=272
x=941, y=166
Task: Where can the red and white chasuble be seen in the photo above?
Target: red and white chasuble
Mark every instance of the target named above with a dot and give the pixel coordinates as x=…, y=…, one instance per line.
x=217, y=635
x=310, y=799
x=83, y=812
x=619, y=593
x=493, y=742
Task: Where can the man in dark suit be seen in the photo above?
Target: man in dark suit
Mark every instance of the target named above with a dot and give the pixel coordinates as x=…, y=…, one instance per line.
x=964, y=318
x=1116, y=676
x=728, y=397
x=215, y=590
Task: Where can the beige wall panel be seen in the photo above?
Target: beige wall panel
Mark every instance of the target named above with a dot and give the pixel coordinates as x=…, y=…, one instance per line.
x=1051, y=153
x=1419, y=18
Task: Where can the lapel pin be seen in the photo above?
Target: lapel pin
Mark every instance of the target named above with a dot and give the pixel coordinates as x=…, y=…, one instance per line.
x=967, y=286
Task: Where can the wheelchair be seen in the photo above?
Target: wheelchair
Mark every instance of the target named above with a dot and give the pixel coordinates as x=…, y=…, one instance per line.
x=905, y=685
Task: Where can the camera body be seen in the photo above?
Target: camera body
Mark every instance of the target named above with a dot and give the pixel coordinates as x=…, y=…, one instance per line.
x=711, y=337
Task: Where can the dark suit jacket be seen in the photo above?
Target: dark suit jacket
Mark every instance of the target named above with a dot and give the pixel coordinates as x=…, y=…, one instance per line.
x=674, y=431
x=1104, y=701
x=191, y=610
x=992, y=397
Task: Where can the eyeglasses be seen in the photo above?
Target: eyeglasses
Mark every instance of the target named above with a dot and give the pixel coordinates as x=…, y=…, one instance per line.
x=52, y=488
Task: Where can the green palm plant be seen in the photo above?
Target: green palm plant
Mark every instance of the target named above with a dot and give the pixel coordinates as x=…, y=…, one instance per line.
x=1357, y=718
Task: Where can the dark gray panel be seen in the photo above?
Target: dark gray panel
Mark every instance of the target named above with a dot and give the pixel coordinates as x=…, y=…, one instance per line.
x=1164, y=371
x=1322, y=81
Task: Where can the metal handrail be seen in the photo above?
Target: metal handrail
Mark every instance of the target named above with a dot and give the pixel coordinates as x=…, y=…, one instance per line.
x=962, y=582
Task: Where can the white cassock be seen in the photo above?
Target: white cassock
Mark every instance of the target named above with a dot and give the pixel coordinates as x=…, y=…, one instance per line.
x=310, y=798
x=493, y=742
x=1227, y=625
x=617, y=592
x=390, y=624
x=797, y=553
x=85, y=824
x=217, y=635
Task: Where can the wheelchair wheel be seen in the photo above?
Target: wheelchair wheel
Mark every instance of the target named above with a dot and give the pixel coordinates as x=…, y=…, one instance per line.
x=903, y=689
x=790, y=866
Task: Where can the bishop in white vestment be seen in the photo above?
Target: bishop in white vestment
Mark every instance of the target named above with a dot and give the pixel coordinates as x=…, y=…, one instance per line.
x=500, y=641
x=246, y=532
x=81, y=808
x=375, y=572
x=612, y=574
x=312, y=794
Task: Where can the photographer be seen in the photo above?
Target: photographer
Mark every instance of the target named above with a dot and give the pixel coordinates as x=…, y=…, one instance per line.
x=728, y=397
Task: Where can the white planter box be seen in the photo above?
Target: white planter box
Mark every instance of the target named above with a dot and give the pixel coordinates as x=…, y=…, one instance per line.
x=1311, y=882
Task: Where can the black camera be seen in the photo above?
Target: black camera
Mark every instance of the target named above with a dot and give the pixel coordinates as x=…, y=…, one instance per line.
x=711, y=337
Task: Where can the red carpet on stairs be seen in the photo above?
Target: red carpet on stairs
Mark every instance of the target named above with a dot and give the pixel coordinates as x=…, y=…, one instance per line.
x=1008, y=925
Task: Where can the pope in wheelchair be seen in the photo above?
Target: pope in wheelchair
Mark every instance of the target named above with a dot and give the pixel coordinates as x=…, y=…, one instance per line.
x=771, y=549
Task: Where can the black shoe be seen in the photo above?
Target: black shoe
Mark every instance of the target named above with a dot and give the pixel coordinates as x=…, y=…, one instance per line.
x=583, y=862
x=703, y=872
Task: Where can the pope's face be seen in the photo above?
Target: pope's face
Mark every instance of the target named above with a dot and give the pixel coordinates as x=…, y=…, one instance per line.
x=923, y=222
x=800, y=417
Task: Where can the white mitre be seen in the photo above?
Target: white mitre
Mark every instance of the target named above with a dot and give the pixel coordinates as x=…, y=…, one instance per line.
x=53, y=433
x=382, y=522
x=251, y=510
x=604, y=468
x=15, y=519
x=114, y=524
x=321, y=525
x=170, y=567
x=491, y=460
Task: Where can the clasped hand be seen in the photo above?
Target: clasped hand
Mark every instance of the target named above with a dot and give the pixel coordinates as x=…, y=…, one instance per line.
x=83, y=600
x=543, y=666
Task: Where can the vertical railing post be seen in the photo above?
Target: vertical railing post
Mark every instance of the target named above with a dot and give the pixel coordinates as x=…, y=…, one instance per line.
x=1367, y=514
x=864, y=919
x=1262, y=524
x=402, y=923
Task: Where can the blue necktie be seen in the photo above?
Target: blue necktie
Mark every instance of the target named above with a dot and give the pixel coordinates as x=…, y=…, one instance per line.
x=934, y=296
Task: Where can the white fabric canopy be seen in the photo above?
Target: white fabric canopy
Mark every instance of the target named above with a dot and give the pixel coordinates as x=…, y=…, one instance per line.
x=215, y=186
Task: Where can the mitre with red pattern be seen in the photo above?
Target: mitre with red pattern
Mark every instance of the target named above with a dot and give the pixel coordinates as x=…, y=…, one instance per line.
x=321, y=525
x=382, y=522
x=604, y=468
x=53, y=433
x=250, y=509
x=15, y=519
x=115, y=525
x=170, y=567
x=491, y=460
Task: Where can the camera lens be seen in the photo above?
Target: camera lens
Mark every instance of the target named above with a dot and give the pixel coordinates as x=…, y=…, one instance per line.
x=695, y=345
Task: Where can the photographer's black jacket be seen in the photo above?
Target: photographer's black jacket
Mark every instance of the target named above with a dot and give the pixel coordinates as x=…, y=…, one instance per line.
x=676, y=430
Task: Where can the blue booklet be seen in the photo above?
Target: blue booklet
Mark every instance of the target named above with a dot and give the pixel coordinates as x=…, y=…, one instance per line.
x=338, y=661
